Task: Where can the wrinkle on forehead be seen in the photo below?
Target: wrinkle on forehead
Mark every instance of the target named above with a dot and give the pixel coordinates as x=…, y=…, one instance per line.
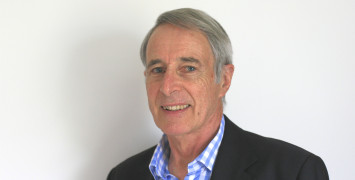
x=170, y=42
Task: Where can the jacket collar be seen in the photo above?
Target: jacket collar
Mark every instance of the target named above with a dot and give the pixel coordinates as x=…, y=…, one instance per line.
x=234, y=154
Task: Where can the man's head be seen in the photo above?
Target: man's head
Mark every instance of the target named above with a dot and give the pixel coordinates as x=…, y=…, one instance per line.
x=197, y=20
x=188, y=71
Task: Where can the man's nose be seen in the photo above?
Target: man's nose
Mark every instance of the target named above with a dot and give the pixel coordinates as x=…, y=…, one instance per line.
x=170, y=83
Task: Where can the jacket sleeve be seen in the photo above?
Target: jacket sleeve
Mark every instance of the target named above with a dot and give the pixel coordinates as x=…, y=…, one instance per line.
x=313, y=169
x=110, y=175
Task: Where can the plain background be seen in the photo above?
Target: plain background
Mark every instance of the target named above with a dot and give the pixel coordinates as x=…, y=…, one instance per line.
x=72, y=93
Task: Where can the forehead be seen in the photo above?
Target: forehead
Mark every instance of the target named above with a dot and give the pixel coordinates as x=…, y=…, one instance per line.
x=169, y=42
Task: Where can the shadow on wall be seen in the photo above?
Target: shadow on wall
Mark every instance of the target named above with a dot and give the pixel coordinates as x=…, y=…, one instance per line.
x=109, y=116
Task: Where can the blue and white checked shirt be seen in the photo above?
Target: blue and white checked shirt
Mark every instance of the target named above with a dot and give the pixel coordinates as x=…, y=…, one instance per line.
x=199, y=169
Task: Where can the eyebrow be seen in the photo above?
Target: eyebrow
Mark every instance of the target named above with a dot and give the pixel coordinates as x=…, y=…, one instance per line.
x=184, y=59
x=190, y=59
x=154, y=62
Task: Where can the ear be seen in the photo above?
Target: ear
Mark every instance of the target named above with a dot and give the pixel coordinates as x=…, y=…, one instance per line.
x=226, y=79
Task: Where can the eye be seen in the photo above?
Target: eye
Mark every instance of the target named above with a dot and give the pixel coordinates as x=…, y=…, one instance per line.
x=157, y=70
x=190, y=68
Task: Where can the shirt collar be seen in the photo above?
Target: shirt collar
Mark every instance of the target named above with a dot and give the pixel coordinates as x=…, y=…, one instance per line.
x=208, y=156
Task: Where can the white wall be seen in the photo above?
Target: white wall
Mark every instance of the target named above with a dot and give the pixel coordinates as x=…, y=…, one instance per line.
x=72, y=95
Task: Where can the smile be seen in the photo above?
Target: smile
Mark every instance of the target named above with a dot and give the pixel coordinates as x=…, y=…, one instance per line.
x=175, y=108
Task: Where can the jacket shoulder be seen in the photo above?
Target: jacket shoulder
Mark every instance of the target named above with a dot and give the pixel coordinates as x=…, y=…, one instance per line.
x=286, y=160
x=269, y=157
x=135, y=167
x=274, y=147
x=260, y=145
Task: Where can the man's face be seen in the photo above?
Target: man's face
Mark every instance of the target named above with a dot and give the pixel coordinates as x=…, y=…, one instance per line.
x=182, y=92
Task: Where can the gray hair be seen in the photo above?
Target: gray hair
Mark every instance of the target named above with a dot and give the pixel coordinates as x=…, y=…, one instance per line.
x=196, y=19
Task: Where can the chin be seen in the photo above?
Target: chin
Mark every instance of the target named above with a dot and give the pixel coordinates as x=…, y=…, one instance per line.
x=173, y=130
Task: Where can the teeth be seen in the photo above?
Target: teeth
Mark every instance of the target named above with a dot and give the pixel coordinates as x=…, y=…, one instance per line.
x=175, y=108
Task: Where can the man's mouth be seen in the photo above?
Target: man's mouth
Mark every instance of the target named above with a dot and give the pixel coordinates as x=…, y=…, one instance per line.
x=175, y=108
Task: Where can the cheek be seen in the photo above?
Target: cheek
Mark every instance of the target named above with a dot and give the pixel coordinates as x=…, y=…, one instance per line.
x=151, y=91
x=204, y=90
x=152, y=99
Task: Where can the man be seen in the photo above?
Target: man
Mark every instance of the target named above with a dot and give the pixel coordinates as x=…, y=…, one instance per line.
x=188, y=60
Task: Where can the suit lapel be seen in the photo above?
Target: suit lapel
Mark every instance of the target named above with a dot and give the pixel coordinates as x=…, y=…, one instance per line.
x=234, y=156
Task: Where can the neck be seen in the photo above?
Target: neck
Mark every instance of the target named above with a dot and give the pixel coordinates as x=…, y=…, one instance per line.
x=185, y=148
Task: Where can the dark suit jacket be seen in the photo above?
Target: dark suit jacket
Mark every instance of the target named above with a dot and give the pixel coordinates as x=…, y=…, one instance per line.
x=242, y=156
